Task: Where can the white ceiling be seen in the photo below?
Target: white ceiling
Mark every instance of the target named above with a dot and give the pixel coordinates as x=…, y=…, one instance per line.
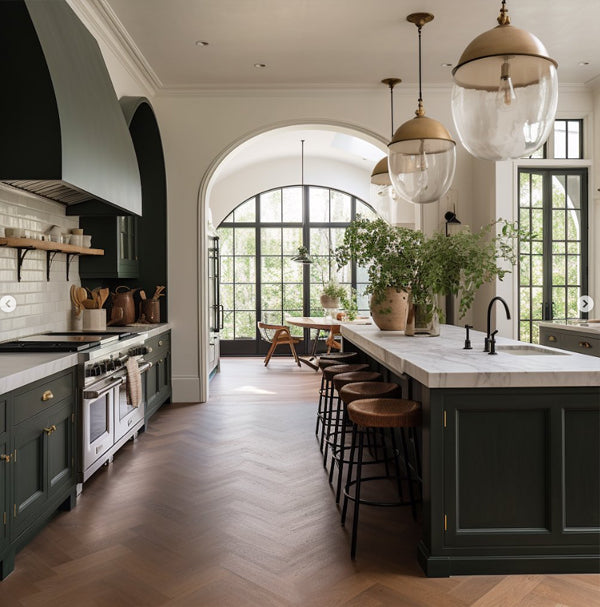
x=320, y=43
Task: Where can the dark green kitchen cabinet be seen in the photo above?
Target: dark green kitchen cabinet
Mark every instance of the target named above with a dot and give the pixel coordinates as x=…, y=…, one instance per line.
x=118, y=236
x=158, y=376
x=5, y=458
x=39, y=463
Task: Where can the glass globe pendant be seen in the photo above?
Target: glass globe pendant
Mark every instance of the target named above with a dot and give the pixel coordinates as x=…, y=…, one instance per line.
x=422, y=155
x=505, y=93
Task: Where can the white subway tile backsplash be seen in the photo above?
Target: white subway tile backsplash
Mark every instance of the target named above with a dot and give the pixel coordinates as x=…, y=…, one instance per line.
x=41, y=305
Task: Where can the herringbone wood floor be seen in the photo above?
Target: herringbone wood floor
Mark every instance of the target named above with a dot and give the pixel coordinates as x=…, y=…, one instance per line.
x=226, y=504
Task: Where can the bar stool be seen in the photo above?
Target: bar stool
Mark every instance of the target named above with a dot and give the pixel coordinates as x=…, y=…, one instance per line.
x=347, y=394
x=327, y=404
x=338, y=418
x=384, y=413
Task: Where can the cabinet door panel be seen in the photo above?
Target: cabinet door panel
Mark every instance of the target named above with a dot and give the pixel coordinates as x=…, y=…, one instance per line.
x=4, y=448
x=29, y=482
x=60, y=448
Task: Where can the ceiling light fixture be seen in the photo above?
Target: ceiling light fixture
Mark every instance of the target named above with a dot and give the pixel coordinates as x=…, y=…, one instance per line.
x=201, y=43
x=422, y=155
x=260, y=65
x=380, y=175
x=505, y=93
x=303, y=255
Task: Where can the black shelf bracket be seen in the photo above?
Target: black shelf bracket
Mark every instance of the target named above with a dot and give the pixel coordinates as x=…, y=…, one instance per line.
x=21, y=252
x=70, y=257
x=49, y=259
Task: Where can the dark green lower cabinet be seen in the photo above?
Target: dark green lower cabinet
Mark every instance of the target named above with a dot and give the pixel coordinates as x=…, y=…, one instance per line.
x=158, y=376
x=512, y=481
x=38, y=472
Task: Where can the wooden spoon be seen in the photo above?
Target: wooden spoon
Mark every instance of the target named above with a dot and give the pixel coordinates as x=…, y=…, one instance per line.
x=103, y=295
x=82, y=296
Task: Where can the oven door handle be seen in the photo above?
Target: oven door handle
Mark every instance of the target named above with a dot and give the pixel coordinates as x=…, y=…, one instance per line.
x=144, y=367
x=93, y=394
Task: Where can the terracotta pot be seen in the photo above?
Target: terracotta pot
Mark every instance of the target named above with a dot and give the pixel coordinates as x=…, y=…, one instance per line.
x=330, y=303
x=391, y=313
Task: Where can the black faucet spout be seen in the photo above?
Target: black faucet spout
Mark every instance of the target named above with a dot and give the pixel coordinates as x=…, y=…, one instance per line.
x=489, y=319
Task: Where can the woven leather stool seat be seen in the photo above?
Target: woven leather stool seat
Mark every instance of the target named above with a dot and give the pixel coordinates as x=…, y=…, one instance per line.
x=327, y=362
x=330, y=372
x=369, y=390
x=385, y=413
x=342, y=379
x=338, y=356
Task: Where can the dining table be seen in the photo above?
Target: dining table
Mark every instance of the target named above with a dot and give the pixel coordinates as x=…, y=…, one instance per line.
x=320, y=324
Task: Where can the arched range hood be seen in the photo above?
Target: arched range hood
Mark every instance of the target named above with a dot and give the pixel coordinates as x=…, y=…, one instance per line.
x=63, y=132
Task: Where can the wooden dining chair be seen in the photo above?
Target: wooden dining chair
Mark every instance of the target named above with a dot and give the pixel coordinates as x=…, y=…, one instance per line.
x=332, y=343
x=278, y=335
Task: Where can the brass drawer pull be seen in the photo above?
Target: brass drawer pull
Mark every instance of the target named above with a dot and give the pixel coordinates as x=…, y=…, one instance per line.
x=47, y=395
x=585, y=344
x=50, y=430
x=160, y=343
x=5, y=458
x=552, y=338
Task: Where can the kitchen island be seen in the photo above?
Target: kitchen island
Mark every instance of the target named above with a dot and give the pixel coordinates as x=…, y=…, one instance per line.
x=511, y=450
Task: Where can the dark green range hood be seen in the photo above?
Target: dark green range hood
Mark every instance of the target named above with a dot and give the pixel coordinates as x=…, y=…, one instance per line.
x=64, y=136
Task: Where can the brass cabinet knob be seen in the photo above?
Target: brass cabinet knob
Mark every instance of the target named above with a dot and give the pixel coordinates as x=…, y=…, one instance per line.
x=47, y=395
x=585, y=344
x=4, y=458
x=160, y=343
x=50, y=430
x=551, y=338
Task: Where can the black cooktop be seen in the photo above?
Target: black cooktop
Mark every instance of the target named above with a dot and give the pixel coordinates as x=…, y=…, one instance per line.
x=72, y=341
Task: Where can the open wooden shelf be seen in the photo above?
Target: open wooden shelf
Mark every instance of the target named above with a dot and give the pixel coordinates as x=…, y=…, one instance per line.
x=23, y=245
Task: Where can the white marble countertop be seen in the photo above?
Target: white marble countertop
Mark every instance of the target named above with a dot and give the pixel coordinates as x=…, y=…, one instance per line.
x=21, y=368
x=441, y=362
x=592, y=329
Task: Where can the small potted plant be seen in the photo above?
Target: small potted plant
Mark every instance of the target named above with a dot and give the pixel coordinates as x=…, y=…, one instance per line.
x=331, y=295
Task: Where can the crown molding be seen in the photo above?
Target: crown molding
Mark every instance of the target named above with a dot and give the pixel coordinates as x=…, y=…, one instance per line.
x=103, y=23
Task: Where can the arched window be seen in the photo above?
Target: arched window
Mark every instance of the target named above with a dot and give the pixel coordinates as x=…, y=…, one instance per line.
x=259, y=279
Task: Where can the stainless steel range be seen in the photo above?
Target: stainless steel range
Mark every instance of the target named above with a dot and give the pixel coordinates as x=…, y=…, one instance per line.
x=108, y=418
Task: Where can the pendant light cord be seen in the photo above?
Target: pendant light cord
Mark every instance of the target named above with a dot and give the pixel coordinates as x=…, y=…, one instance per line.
x=302, y=167
x=420, y=27
x=392, y=108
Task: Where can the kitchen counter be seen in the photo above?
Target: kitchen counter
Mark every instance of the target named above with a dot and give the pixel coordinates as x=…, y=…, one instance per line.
x=441, y=362
x=510, y=450
x=21, y=368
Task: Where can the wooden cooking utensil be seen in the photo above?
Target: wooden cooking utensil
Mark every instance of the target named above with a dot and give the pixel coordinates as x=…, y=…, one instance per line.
x=75, y=301
x=103, y=296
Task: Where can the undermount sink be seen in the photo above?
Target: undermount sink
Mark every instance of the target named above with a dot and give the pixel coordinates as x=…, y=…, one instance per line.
x=526, y=350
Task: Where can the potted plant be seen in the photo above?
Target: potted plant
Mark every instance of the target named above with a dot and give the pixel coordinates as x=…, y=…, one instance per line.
x=400, y=259
x=391, y=256
x=331, y=295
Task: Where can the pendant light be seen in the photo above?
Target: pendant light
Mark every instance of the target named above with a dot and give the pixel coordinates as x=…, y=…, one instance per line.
x=380, y=175
x=505, y=93
x=422, y=155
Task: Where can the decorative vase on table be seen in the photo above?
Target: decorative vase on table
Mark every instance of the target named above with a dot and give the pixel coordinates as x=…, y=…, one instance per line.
x=422, y=320
x=330, y=305
x=391, y=312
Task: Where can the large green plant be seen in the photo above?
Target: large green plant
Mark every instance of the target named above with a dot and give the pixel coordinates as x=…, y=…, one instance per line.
x=402, y=258
x=390, y=254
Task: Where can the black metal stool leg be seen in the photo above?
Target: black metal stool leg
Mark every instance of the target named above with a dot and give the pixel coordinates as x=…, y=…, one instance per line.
x=357, y=496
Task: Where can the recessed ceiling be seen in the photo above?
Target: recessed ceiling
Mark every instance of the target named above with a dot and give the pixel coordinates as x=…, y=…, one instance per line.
x=325, y=43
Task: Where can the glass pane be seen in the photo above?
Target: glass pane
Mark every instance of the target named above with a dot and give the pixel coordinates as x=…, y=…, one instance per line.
x=537, y=299
x=559, y=247
x=270, y=269
x=226, y=264
x=227, y=330
x=245, y=325
x=558, y=303
x=365, y=211
x=524, y=303
x=245, y=243
x=524, y=191
x=524, y=270
x=291, y=240
x=292, y=270
x=292, y=297
x=225, y=241
x=318, y=205
x=558, y=191
x=246, y=212
x=560, y=139
x=245, y=297
x=525, y=247
x=573, y=139
x=558, y=270
x=245, y=269
x=574, y=189
x=573, y=295
x=574, y=248
x=537, y=195
x=537, y=247
x=341, y=208
x=524, y=331
x=270, y=241
x=319, y=241
x=336, y=237
x=270, y=206
x=537, y=223
x=573, y=270
x=270, y=296
x=524, y=220
x=226, y=293
x=272, y=317
x=535, y=333
x=292, y=205
x=558, y=225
